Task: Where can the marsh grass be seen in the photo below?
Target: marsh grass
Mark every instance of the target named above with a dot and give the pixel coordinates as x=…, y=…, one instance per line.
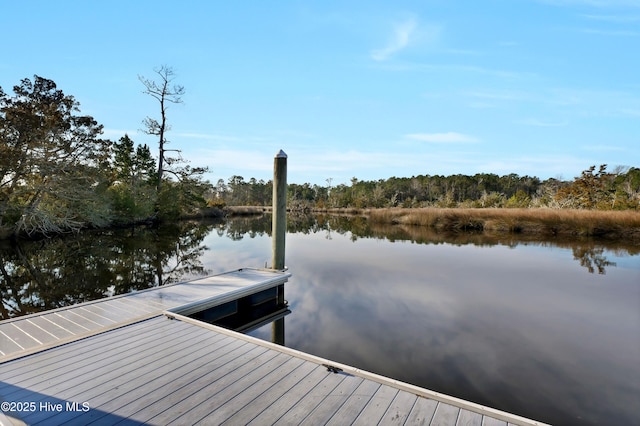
x=611, y=224
x=244, y=210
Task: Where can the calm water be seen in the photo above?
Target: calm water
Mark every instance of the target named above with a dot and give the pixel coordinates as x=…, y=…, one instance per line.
x=545, y=329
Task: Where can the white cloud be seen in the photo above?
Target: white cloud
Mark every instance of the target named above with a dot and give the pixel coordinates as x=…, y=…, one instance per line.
x=448, y=137
x=402, y=36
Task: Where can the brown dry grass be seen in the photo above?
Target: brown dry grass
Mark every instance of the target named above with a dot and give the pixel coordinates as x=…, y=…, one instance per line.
x=244, y=210
x=614, y=224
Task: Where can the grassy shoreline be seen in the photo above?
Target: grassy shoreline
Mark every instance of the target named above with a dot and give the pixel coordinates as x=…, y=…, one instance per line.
x=609, y=224
x=548, y=222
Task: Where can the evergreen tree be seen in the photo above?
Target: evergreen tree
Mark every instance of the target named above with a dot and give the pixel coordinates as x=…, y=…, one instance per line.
x=52, y=162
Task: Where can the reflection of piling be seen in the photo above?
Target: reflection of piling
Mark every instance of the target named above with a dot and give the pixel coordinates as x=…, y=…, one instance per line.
x=278, y=233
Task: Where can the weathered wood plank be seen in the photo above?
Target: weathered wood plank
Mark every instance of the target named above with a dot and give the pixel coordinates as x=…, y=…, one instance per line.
x=490, y=421
x=65, y=386
x=44, y=378
x=445, y=415
x=20, y=337
x=118, y=375
x=207, y=401
x=82, y=323
x=68, y=356
x=377, y=406
x=7, y=344
x=247, y=396
x=35, y=331
x=108, y=310
x=469, y=418
x=51, y=327
x=422, y=411
x=91, y=316
x=180, y=401
x=354, y=404
x=146, y=391
x=399, y=409
x=130, y=305
x=154, y=301
x=328, y=407
x=283, y=404
x=89, y=312
x=269, y=396
x=311, y=399
x=63, y=321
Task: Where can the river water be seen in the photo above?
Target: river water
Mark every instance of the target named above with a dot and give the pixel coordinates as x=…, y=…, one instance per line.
x=546, y=329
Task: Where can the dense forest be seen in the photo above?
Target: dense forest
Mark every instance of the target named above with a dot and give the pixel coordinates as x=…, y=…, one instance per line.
x=58, y=174
x=593, y=189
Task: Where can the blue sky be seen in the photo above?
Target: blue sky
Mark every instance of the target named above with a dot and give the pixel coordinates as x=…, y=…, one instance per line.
x=367, y=89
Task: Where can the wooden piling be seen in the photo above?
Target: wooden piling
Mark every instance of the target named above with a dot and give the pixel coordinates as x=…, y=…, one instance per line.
x=279, y=221
x=278, y=234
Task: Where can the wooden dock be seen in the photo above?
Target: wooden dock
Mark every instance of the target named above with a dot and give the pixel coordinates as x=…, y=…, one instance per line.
x=136, y=359
x=32, y=333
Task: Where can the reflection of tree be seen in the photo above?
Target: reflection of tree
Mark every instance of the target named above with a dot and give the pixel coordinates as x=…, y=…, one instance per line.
x=591, y=258
x=237, y=228
x=41, y=275
x=48, y=274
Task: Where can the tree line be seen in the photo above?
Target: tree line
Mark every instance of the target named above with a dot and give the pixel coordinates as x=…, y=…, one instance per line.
x=58, y=174
x=603, y=190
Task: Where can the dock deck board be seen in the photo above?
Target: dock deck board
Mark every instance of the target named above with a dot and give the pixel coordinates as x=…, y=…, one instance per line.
x=21, y=335
x=160, y=367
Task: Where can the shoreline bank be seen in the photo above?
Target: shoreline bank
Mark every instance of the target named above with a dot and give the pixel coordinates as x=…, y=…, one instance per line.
x=606, y=224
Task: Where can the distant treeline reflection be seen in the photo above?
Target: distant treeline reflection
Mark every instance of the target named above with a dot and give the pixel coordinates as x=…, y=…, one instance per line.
x=589, y=253
x=56, y=272
x=65, y=270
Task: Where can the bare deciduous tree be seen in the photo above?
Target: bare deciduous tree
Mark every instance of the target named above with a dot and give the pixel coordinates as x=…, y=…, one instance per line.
x=165, y=92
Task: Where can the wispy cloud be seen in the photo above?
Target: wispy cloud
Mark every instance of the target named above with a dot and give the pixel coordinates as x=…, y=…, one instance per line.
x=402, y=36
x=542, y=123
x=500, y=95
x=493, y=98
x=614, y=33
x=631, y=112
x=602, y=148
x=613, y=18
x=594, y=3
x=448, y=137
x=541, y=165
x=458, y=68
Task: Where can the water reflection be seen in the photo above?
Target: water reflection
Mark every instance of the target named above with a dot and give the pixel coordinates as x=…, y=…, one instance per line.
x=592, y=258
x=522, y=329
x=547, y=329
x=47, y=274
